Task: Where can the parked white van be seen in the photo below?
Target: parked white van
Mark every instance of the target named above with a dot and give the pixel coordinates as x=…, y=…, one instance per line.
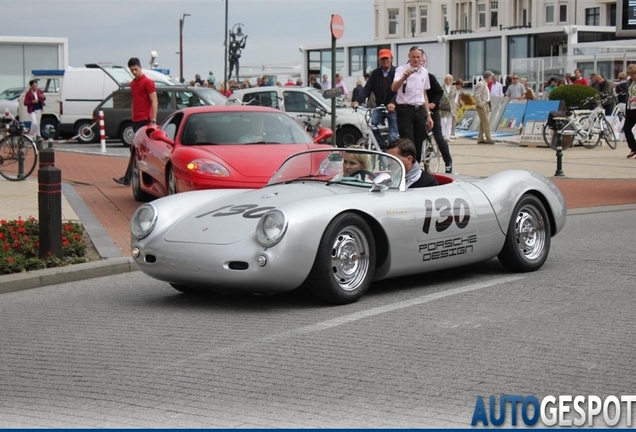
x=80, y=90
x=85, y=88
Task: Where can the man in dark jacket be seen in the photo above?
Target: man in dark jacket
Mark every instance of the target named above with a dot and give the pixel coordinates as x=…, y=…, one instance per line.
x=434, y=95
x=379, y=84
x=404, y=150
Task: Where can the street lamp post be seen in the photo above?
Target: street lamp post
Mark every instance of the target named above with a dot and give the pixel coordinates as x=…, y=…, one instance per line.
x=181, y=21
x=225, y=80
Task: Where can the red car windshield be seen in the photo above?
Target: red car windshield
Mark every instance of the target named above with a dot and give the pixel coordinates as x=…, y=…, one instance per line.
x=242, y=127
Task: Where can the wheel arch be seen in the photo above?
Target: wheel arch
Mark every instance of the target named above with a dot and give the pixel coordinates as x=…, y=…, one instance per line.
x=548, y=209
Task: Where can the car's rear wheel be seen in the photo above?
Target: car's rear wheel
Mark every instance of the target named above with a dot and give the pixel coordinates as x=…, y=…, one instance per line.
x=528, y=240
x=139, y=194
x=85, y=132
x=127, y=134
x=347, y=136
x=345, y=262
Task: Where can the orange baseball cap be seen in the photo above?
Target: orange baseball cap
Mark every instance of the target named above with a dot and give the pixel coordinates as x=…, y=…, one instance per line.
x=385, y=53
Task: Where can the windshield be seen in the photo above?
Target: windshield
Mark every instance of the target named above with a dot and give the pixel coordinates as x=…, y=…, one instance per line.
x=242, y=127
x=121, y=75
x=350, y=167
x=211, y=96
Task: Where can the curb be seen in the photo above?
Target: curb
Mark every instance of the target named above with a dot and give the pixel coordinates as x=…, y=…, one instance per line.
x=72, y=273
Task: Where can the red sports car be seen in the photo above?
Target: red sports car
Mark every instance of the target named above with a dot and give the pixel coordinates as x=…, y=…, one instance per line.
x=215, y=147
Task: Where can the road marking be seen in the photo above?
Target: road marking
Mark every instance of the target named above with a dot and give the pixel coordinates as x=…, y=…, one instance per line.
x=346, y=319
x=395, y=306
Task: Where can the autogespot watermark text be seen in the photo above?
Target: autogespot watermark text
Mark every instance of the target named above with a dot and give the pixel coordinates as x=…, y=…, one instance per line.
x=562, y=410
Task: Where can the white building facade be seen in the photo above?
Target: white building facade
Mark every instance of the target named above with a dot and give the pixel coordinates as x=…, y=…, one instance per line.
x=21, y=55
x=534, y=38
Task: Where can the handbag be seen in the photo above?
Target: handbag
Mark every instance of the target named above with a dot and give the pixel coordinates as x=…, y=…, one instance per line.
x=444, y=104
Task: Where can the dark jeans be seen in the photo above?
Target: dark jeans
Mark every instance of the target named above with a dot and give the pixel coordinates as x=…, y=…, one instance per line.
x=136, y=126
x=412, y=125
x=439, y=138
x=630, y=121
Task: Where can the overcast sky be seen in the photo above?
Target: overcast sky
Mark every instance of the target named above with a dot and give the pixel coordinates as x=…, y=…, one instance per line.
x=115, y=30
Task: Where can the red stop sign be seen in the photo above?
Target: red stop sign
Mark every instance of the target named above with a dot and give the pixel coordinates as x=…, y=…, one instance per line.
x=337, y=26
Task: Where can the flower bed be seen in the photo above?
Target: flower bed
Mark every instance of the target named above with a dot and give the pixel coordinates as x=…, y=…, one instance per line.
x=19, y=244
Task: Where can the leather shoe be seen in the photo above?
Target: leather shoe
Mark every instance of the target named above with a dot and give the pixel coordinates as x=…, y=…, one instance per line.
x=485, y=142
x=122, y=181
x=632, y=154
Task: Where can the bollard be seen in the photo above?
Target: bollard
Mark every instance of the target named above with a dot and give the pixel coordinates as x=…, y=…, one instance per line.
x=102, y=132
x=49, y=206
x=560, y=123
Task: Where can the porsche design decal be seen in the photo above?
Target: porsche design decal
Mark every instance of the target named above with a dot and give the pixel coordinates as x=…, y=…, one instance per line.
x=447, y=248
x=251, y=211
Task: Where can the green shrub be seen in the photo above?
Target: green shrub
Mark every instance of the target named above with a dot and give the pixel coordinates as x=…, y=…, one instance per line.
x=573, y=95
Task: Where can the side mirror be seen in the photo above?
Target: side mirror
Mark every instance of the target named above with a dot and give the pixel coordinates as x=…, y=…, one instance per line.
x=322, y=135
x=158, y=135
x=381, y=182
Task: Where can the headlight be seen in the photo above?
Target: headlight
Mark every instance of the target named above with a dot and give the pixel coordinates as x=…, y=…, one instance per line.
x=208, y=167
x=143, y=221
x=271, y=228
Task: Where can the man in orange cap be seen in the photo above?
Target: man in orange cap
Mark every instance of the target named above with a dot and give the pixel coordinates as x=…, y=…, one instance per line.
x=379, y=84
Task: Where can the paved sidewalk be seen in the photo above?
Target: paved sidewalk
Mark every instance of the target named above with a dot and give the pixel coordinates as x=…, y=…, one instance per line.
x=593, y=178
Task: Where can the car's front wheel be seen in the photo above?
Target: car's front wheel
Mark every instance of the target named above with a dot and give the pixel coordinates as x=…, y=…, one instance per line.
x=345, y=262
x=528, y=240
x=172, y=182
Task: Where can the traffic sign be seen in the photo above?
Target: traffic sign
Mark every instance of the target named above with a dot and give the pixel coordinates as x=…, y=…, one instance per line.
x=337, y=26
x=332, y=93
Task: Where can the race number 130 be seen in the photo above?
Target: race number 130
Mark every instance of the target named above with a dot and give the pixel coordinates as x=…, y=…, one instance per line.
x=445, y=214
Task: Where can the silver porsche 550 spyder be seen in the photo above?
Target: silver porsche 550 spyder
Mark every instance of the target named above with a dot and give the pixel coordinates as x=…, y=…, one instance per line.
x=322, y=226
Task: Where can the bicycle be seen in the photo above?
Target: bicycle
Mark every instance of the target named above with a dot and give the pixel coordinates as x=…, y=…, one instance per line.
x=369, y=140
x=311, y=122
x=18, y=151
x=586, y=129
x=432, y=156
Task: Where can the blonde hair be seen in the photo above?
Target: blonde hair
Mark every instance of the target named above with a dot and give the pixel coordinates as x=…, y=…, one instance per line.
x=631, y=68
x=361, y=157
x=448, y=76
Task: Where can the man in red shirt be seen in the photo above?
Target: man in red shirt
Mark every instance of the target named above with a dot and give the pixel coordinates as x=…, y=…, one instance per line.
x=579, y=78
x=144, y=109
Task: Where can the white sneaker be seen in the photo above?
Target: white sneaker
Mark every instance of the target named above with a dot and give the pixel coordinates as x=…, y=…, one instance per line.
x=453, y=137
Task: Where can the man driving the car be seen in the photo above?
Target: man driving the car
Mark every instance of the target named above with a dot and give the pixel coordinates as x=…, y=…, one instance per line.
x=404, y=150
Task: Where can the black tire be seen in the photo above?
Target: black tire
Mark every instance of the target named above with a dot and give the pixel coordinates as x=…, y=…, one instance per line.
x=528, y=240
x=347, y=136
x=187, y=290
x=46, y=124
x=171, y=182
x=550, y=139
x=345, y=261
x=607, y=133
x=18, y=157
x=139, y=194
x=126, y=134
x=85, y=133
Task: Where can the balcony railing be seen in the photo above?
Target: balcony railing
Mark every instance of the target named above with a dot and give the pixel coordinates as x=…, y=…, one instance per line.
x=465, y=31
x=501, y=27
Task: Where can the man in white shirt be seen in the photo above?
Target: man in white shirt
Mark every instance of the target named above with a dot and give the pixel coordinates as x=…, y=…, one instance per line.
x=482, y=101
x=496, y=89
x=325, y=84
x=413, y=116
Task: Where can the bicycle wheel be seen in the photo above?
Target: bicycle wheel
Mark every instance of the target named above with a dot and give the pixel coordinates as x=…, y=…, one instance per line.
x=549, y=136
x=589, y=136
x=607, y=133
x=18, y=157
x=431, y=156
